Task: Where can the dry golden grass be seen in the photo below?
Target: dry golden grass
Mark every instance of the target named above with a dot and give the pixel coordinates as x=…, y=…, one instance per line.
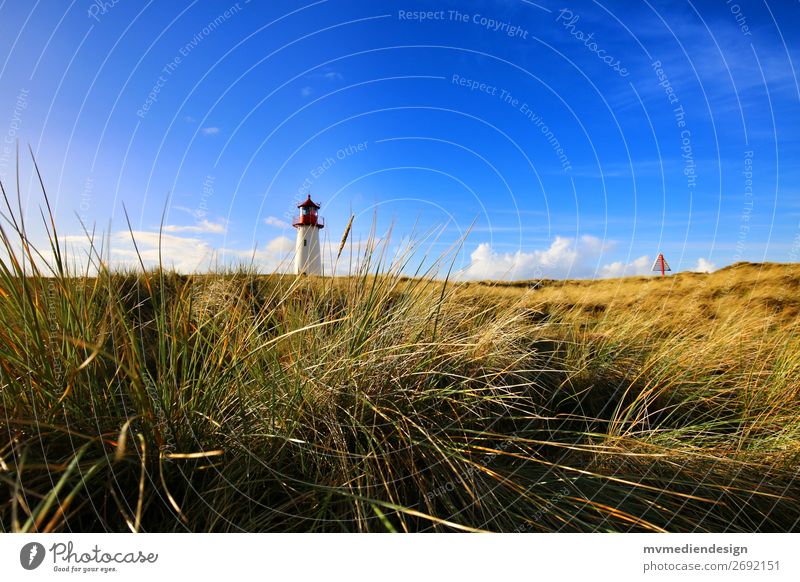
x=763, y=289
x=242, y=402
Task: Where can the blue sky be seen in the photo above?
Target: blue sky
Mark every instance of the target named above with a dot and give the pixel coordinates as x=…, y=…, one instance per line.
x=574, y=139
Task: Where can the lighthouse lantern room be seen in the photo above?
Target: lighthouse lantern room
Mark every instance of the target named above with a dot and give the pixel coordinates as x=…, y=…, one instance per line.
x=307, y=252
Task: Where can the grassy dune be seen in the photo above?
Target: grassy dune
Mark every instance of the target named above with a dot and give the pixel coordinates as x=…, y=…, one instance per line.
x=153, y=401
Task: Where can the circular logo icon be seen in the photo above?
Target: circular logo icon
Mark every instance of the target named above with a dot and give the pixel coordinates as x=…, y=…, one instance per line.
x=31, y=555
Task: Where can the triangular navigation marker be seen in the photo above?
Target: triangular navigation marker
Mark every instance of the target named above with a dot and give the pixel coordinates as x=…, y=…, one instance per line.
x=660, y=264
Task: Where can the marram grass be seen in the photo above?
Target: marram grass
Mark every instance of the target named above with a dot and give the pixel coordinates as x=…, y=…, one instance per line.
x=154, y=402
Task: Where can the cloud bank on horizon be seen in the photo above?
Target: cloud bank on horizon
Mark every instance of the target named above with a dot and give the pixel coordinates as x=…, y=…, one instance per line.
x=565, y=258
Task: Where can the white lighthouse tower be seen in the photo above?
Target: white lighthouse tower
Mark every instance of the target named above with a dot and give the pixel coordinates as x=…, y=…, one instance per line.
x=307, y=259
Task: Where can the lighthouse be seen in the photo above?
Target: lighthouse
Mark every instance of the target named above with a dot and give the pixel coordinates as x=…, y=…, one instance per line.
x=307, y=259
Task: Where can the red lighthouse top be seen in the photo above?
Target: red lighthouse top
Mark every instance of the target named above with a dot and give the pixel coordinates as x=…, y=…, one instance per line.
x=309, y=203
x=308, y=214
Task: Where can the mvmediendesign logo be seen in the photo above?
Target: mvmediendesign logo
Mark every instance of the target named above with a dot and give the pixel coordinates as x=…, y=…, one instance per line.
x=31, y=555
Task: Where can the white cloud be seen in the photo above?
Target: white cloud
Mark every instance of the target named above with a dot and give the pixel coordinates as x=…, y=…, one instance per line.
x=275, y=221
x=640, y=266
x=280, y=245
x=185, y=254
x=565, y=257
x=704, y=266
x=210, y=130
x=204, y=226
x=276, y=256
x=329, y=75
x=189, y=119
